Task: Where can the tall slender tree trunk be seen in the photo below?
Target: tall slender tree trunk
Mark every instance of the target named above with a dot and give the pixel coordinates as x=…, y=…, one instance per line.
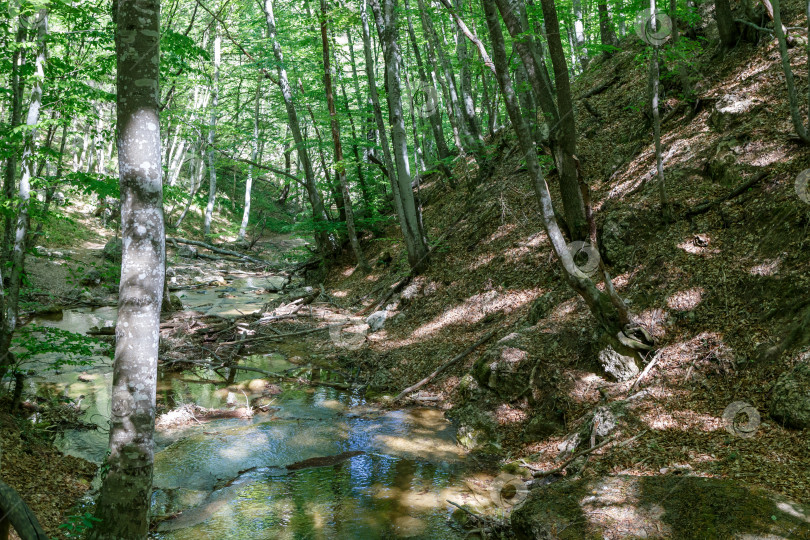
x=11, y=298
x=254, y=152
x=430, y=107
x=606, y=34
x=655, y=82
x=212, y=132
x=729, y=32
x=579, y=34
x=340, y=166
x=17, y=89
x=573, y=204
x=123, y=503
x=607, y=307
x=409, y=220
x=793, y=97
x=374, y=98
x=324, y=240
x=361, y=176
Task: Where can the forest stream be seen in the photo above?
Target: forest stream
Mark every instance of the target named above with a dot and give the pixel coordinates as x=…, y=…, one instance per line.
x=315, y=462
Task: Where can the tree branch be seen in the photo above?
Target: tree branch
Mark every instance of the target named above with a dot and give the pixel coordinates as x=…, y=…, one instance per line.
x=472, y=37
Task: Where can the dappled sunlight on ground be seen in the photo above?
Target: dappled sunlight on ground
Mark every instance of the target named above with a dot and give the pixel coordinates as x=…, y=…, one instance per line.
x=686, y=300
x=681, y=420
x=476, y=308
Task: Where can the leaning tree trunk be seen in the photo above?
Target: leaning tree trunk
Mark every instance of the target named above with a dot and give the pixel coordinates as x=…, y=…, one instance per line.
x=123, y=503
x=573, y=204
x=409, y=220
x=212, y=131
x=607, y=307
x=340, y=166
x=324, y=240
x=254, y=152
x=12, y=295
x=793, y=98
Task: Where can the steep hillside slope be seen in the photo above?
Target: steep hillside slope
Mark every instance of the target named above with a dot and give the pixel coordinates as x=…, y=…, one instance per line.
x=715, y=286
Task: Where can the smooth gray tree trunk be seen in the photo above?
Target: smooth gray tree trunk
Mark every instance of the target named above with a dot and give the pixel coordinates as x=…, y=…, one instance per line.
x=655, y=82
x=254, y=152
x=430, y=105
x=124, y=500
x=607, y=307
x=212, y=132
x=11, y=296
x=324, y=240
x=573, y=204
x=340, y=166
x=409, y=220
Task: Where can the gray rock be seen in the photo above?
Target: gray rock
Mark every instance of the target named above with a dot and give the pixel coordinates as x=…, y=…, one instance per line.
x=276, y=283
x=113, y=250
x=669, y=506
x=376, y=320
x=790, y=402
x=729, y=111
x=620, y=367
x=604, y=422
x=189, y=252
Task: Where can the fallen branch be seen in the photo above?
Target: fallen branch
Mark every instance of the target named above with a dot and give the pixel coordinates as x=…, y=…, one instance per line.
x=446, y=365
x=703, y=208
x=537, y=473
x=277, y=336
x=600, y=88
x=219, y=250
x=646, y=370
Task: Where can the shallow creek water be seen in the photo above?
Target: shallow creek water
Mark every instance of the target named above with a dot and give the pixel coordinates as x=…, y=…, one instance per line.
x=227, y=478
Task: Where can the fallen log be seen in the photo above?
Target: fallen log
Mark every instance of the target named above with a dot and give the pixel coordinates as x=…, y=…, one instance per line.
x=703, y=208
x=215, y=249
x=446, y=365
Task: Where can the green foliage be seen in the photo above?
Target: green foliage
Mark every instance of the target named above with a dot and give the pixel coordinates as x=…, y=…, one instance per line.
x=73, y=349
x=77, y=526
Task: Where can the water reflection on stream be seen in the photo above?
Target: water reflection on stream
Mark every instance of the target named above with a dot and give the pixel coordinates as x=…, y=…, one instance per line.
x=227, y=478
